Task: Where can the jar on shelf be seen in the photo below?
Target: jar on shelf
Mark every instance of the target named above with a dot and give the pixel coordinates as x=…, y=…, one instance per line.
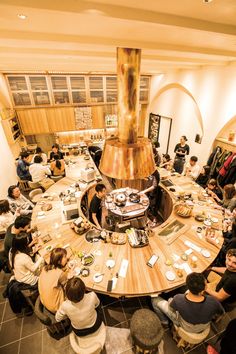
x=231, y=136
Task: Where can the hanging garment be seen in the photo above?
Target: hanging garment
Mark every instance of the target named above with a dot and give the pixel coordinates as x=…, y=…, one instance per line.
x=226, y=165
x=212, y=155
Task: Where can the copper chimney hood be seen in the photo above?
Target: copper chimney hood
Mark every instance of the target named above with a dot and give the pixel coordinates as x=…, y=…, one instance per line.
x=128, y=157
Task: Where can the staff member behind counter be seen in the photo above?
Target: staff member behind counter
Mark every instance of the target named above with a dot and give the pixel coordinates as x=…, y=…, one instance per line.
x=181, y=150
x=95, y=209
x=152, y=192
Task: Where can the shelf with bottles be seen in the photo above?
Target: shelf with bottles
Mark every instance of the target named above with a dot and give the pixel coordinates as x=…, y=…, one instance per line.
x=111, y=121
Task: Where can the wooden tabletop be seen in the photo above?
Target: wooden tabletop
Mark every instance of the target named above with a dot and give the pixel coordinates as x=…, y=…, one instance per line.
x=140, y=279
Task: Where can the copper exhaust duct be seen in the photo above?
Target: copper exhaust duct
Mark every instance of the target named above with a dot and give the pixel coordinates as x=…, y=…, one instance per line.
x=128, y=157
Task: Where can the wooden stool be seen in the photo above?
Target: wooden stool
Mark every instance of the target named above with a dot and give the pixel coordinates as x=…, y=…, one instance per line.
x=187, y=339
x=146, y=331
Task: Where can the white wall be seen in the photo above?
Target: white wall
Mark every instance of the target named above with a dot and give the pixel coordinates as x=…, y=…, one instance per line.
x=213, y=100
x=7, y=169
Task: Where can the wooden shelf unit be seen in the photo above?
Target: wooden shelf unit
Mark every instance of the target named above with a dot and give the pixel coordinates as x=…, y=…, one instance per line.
x=11, y=126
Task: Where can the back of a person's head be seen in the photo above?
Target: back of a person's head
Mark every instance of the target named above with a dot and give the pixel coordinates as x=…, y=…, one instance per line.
x=56, y=157
x=4, y=206
x=24, y=155
x=207, y=169
x=56, y=257
x=194, y=158
x=195, y=283
x=99, y=187
x=21, y=221
x=11, y=190
x=38, y=159
x=156, y=144
x=75, y=289
x=229, y=190
x=212, y=182
x=19, y=245
x=38, y=150
x=166, y=157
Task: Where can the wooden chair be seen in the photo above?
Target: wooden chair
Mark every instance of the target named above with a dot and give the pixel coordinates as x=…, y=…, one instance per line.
x=56, y=178
x=35, y=195
x=23, y=185
x=187, y=339
x=33, y=185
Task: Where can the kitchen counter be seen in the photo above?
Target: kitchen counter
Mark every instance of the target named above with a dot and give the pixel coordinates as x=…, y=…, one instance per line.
x=175, y=241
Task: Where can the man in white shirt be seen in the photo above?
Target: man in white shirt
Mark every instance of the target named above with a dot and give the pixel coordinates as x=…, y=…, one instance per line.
x=38, y=171
x=191, y=168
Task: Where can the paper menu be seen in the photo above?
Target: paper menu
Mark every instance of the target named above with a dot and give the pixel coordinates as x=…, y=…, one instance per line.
x=123, y=268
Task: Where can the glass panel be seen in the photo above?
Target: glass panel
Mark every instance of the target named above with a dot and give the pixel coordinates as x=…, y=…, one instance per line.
x=77, y=82
x=17, y=83
x=111, y=96
x=41, y=98
x=59, y=83
x=79, y=96
x=38, y=83
x=144, y=83
x=111, y=83
x=96, y=96
x=143, y=96
x=96, y=83
x=21, y=99
x=61, y=97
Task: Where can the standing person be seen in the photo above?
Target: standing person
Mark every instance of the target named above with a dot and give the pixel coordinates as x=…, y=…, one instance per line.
x=181, y=150
x=191, y=168
x=18, y=202
x=52, y=280
x=152, y=189
x=80, y=308
x=193, y=311
x=22, y=168
x=57, y=166
x=95, y=209
x=38, y=171
x=39, y=152
x=56, y=151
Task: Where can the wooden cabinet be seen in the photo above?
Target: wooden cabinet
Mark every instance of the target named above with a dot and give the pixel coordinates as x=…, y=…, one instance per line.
x=12, y=129
x=60, y=119
x=57, y=90
x=33, y=121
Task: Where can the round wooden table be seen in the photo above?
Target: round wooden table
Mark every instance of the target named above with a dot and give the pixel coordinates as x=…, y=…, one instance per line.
x=139, y=279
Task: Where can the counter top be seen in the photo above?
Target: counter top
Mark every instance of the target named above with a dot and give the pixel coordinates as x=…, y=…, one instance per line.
x=171, y=245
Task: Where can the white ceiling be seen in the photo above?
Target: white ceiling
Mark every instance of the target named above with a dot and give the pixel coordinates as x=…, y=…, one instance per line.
x=79, y=36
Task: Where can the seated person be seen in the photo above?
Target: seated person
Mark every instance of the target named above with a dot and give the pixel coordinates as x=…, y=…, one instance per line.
x=229, y=197
x=38, y=171
x=6, y=216
x=191, y=168
x=22, y=168
x=213, y=191
x=204, y=176
x=20, y=258
x=95, y=209
x=39, y=152
x=167, y=162
x=56, y=151
x=18, y=202
x=80, y=308
x=22, y=223
x=52, y=280
x=57, y=166
x=223, y=288
x=193, y=311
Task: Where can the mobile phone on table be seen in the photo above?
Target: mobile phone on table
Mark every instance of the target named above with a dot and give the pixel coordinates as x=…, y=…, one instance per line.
x=152, y=260
x=46, y=238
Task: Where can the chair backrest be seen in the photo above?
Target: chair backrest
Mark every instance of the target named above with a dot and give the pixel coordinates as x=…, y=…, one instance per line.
x=34, y=192
x=23, y=185
x=193, y=338
x=34, y=185
x=40, y=314
x=56, y=178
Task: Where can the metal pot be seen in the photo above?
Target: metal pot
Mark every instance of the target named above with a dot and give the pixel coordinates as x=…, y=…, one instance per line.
x=120, y=199
x=134, y=197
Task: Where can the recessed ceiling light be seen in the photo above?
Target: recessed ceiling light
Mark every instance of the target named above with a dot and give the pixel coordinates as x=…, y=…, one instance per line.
x=207, y=1
x=22, y=16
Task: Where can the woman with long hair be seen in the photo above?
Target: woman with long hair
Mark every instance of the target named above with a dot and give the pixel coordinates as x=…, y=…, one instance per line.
x=24, y=269
x=229, y=197
x=57, y=166
x=53, y=279
x=6, y=216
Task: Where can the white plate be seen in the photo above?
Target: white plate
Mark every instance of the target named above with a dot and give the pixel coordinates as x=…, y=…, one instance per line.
x=207, y=222
x=41, y=213
x=214, y=219
x=72, y=263
x=110, y=263
x=77, y=271
x=97, y=278
x=170, y=275
x=206, y=253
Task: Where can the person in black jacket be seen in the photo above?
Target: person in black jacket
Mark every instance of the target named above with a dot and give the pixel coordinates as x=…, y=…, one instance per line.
x=181, y=150
x=204, y=176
